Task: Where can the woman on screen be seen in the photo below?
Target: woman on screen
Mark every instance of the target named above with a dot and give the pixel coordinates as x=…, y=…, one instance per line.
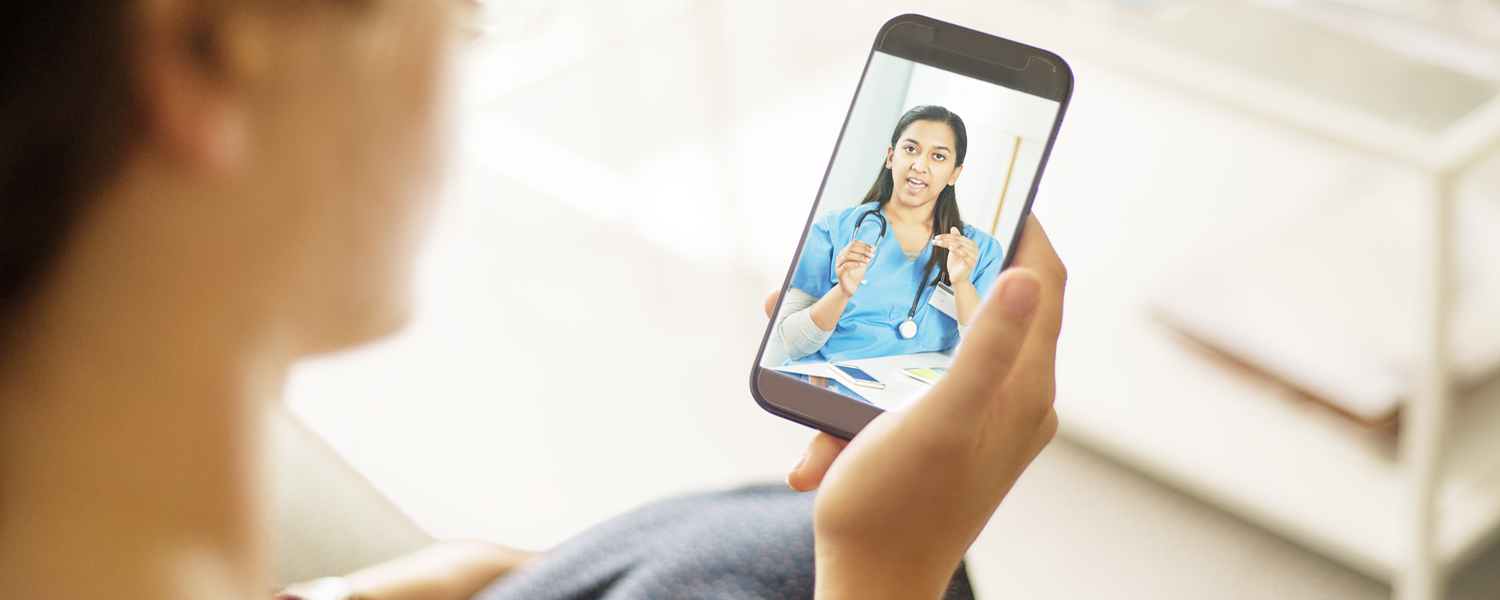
x=853, y=299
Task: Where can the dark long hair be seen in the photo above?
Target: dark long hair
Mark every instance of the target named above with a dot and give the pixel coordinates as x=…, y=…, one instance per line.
x=945, y=210
x=68, y=112
x=66, y=109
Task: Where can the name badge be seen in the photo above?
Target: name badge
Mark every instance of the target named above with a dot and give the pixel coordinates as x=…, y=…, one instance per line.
x=942, y=299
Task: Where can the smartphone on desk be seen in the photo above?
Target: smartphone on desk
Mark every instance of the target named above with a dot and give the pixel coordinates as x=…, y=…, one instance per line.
x=940, y=153
x=856, y=376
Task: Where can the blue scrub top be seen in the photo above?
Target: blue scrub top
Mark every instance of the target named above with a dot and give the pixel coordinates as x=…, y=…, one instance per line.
x=867, y=328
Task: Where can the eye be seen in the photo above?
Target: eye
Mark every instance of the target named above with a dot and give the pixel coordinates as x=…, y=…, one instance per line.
x=910, y=149
x=939, y=157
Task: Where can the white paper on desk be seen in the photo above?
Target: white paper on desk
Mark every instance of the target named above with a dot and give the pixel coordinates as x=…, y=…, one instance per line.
x=1332, y=304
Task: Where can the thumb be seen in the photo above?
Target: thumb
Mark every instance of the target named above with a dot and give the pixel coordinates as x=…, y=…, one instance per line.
x=994, y=340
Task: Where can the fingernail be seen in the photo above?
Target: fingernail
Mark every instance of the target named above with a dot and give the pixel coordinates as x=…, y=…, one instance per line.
x=800, y=460
x=1020, y=296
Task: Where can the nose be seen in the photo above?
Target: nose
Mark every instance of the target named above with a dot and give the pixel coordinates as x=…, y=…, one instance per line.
x=920, y=165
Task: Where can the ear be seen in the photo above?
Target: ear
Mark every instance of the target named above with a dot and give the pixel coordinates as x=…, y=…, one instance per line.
x=187, y=85
x=956, y=172
x=890, y=157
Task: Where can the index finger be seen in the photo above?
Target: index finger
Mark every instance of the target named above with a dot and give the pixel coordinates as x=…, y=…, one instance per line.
x=807, y=474
x=852, y=248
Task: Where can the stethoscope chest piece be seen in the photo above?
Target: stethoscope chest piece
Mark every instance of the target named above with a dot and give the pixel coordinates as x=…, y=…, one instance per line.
x=907, y=329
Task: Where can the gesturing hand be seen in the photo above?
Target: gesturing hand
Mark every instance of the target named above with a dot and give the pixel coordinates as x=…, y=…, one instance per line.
x=963, y=253
x=851, y=263
x=902, y=502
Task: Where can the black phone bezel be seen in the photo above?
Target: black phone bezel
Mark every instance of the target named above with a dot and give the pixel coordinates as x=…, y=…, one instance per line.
x=955, y=49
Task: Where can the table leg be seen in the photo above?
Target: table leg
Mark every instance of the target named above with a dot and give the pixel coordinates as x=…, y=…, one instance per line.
x=1421, y=573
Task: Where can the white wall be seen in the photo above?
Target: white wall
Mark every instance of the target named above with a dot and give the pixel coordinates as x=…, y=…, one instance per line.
x=879, y=104
x=997, y=118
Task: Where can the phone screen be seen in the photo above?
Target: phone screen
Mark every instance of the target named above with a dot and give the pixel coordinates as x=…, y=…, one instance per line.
x=856, y=373
x=928, y=185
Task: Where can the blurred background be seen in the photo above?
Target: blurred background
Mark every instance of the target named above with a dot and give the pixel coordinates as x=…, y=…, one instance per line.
x=1239, y=191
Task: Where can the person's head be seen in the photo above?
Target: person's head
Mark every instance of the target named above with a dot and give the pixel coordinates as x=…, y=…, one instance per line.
x=924, y=159
x=260, y=162
x=922, y=164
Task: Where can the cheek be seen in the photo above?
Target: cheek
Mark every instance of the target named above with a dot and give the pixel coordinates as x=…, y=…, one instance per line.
x=400, y=101
x=405, y=112
x=391, y=149
x=945, y=173
x=901, y=164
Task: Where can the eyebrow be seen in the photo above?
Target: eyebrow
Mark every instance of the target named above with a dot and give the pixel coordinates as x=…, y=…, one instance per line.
x=920, y=143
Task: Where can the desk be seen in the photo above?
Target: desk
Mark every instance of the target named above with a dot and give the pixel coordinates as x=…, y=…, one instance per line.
x=900, y=389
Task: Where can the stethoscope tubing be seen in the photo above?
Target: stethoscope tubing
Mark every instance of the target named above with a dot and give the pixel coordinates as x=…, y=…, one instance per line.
x=916, y=301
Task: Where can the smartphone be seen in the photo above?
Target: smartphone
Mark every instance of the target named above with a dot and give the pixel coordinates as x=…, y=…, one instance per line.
x=948, y=126
x=856, y=376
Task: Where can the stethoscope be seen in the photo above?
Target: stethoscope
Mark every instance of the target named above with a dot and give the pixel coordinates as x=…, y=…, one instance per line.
x=908, y=328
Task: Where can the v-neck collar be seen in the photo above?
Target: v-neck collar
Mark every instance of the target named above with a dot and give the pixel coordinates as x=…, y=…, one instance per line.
x=897, y=239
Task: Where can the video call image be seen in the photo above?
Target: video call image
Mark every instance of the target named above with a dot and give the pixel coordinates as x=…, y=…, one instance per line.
x=910, y=231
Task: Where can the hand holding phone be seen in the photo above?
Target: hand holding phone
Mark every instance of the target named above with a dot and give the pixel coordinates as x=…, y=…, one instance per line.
x=937, y=163
x=900, y=504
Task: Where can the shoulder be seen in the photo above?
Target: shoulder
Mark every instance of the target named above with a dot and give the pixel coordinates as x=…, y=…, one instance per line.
x=841, y=218
x=847, y=214
x=984, y=240
x=989, y=247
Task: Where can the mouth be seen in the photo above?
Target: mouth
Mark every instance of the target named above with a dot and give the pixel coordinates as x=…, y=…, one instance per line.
x=915, y=186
